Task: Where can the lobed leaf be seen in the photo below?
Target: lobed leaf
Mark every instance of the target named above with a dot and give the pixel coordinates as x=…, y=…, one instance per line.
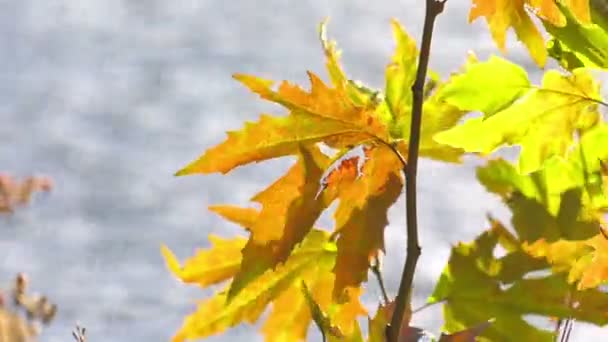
x=469, y=90
x=563, y=105
x=214, y=315
x=473, y=293
x=361, y=215
x=437, y=114
x=210, y=266
x=290, y=207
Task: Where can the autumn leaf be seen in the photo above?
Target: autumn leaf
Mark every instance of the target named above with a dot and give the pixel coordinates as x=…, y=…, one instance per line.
x=209, y=266
x=585, y=262
x=322, y=115
x=502, y=15
x=245, y=217
x=438, y=115
x=377, y=325
x=290, y=207
x=560, y=107
x=585, y=41
x=361, y=215
x=316, y=254
x=472, y=294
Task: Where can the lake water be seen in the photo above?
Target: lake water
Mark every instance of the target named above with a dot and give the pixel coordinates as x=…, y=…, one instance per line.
x=111, y=97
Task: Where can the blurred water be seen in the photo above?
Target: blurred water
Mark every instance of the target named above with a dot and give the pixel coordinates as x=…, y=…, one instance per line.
x=111, y=97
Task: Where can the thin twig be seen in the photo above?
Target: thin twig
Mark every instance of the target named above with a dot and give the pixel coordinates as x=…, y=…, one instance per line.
x=433, y=9
x=427, y=305
x=378, y=273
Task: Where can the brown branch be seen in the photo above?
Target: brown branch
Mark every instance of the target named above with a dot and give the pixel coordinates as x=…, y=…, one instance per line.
x=433, y=9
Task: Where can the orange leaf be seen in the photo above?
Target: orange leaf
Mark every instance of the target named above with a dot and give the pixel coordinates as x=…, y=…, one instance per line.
x=361, y=215
x=504, y=14
x=290, y=207
x=322, y=115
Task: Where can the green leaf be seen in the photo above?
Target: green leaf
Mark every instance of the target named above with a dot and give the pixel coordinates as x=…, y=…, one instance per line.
x=588, y=42
x=563, y=105
x=472, y=291
x=488, y=86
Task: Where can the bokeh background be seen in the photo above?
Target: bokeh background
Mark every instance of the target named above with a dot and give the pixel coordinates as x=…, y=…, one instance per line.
x=111, y=97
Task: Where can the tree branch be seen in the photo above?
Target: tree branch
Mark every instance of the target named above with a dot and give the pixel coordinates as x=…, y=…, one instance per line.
x=433, y=9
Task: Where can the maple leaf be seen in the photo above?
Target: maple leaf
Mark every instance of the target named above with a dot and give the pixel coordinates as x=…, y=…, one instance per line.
x=377, y=325
x=560, y=107
x=396, y=109
x=540, y=205
x=290, y=207
x=337, y=319
x=209, y=266
x=245, y=217
x=322, y=115
x=290, y=317
x=469, y=90
x=585, y=44
x=586, y=262
x=502, y=15
x=473, y=293
x=361, y=215
x=216, y=314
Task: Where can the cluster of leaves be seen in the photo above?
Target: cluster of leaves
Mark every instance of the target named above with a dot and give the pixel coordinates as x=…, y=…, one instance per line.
x=22, y=313
x=556, y=190
x=15, y=193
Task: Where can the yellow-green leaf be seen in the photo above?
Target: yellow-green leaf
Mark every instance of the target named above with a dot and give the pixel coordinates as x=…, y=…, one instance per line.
x=560, y=107
x=488, y=87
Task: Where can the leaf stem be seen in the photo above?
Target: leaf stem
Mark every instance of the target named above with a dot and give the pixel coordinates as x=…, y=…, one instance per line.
x=433, y=9
x=378, y=273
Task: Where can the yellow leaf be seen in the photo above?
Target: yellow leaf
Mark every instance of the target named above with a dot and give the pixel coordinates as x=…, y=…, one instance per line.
x=290, y=207
x=586, y=261
x=208, y=266
x=549, y=11
x=291, y=316
x=289, y=319
x=322, y=115
x=316, y=255
x=504, y=14
x=596, y=272
x=245, y=217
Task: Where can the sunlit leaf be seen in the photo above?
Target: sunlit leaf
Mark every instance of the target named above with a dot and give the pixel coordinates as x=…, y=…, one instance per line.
x=208, y=266
x=290, y=207
x=323, y=114
x=316, y=254
x=560, y=107
x=488, y=87
x=502, y=15
x=361, y=215
x=472, y=294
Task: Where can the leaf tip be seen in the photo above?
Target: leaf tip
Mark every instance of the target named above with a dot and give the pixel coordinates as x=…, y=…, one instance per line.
x=171, y=260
